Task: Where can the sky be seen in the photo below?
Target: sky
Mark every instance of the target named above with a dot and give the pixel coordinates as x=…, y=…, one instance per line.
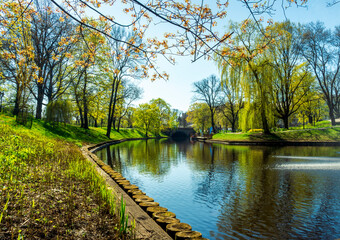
x=177, y=91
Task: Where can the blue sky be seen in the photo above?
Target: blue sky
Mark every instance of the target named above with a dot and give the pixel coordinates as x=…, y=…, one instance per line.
x=178, y=90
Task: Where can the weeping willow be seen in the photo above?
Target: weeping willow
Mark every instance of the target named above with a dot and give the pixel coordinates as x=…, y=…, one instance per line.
x=231, y=87
x=244, y=55
x=257, y=85
x=59, y=111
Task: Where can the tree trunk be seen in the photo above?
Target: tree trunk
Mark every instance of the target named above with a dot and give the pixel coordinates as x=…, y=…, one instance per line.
x=285, y=122
x=50, y=87
x=81, y=120
x=80, y=111
x=112, y=106
x=233, y=122
x=303, y=122
x=212, y=120
x=118, y=125
x=16, y=103
x=332, y=117
x=86, y=120
x=146, y=130
x=265, y=125
x=310, y=118
x=109, y=120
x=40, y=98
x=114, y=123
x=233, y=128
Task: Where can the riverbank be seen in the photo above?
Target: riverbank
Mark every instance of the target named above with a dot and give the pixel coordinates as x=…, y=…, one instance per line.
x=49, y=190
x=316, y=136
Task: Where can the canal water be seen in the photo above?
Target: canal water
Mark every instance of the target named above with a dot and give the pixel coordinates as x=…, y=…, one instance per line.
x=238, y=192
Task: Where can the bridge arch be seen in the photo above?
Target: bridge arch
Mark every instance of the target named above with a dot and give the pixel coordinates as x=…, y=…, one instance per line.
x=182, y=133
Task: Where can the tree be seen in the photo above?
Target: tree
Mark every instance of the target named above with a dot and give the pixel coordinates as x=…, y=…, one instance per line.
x=209, y=91
x=145, y=117
x=291, y=79
x=195, y=23
x=52, y=39
x=130, y=93
x=154, y=116
x=233, y=99
x=174, y=119
x=321, y=48
x=123, y=62
x=97, y=100
x=59, y=111
x=199, y=116
x=163, y=116
x=16, y=52
x=314, y=108
x=129, y=117
x=182, y=119
x=249, y=42
x=82, y=79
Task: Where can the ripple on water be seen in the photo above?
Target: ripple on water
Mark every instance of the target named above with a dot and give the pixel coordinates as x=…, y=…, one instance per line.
x=306, y=166
x=311, y=158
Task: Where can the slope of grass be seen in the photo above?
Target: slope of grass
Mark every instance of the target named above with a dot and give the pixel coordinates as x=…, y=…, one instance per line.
x=328, y=134
x=48, y=189
x=75, y=134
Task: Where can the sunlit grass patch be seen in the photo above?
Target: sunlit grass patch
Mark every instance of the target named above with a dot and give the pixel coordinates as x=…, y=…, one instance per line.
x=324, y=134
x=48, y=189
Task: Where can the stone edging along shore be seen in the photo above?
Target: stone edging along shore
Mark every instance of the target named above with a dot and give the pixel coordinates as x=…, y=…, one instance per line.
x=272, y=143
x=152, y=221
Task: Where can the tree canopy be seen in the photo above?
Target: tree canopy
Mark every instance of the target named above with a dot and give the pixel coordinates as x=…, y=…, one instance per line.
x=72, y=51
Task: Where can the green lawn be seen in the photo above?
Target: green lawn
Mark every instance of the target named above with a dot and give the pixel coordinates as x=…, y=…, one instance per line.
x=72, y=133
x=326, y=134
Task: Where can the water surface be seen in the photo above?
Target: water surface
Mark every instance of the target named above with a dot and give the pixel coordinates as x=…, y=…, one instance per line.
x=238, y=192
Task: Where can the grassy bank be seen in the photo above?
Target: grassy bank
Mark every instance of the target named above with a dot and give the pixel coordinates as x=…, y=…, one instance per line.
x=48, y=189
x=74, y=134
x=327, y=134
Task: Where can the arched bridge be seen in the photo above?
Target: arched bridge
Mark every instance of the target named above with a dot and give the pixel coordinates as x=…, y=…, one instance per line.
x=182, y=132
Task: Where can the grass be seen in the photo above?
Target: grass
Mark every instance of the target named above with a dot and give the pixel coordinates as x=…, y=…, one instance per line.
x=75, y=134
x=320, y=124
x=322, y=132
x=48, y=189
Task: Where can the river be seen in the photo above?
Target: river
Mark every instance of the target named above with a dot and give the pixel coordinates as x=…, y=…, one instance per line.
x=238, y=192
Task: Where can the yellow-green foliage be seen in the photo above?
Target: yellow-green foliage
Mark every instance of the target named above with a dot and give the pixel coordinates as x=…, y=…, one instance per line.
x=59, y=111
x=199, y=116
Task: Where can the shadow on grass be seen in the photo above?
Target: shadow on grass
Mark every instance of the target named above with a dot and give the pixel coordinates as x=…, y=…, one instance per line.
x=75, y=133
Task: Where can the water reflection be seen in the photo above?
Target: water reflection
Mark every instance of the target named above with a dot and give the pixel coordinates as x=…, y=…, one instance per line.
x=237, y=192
